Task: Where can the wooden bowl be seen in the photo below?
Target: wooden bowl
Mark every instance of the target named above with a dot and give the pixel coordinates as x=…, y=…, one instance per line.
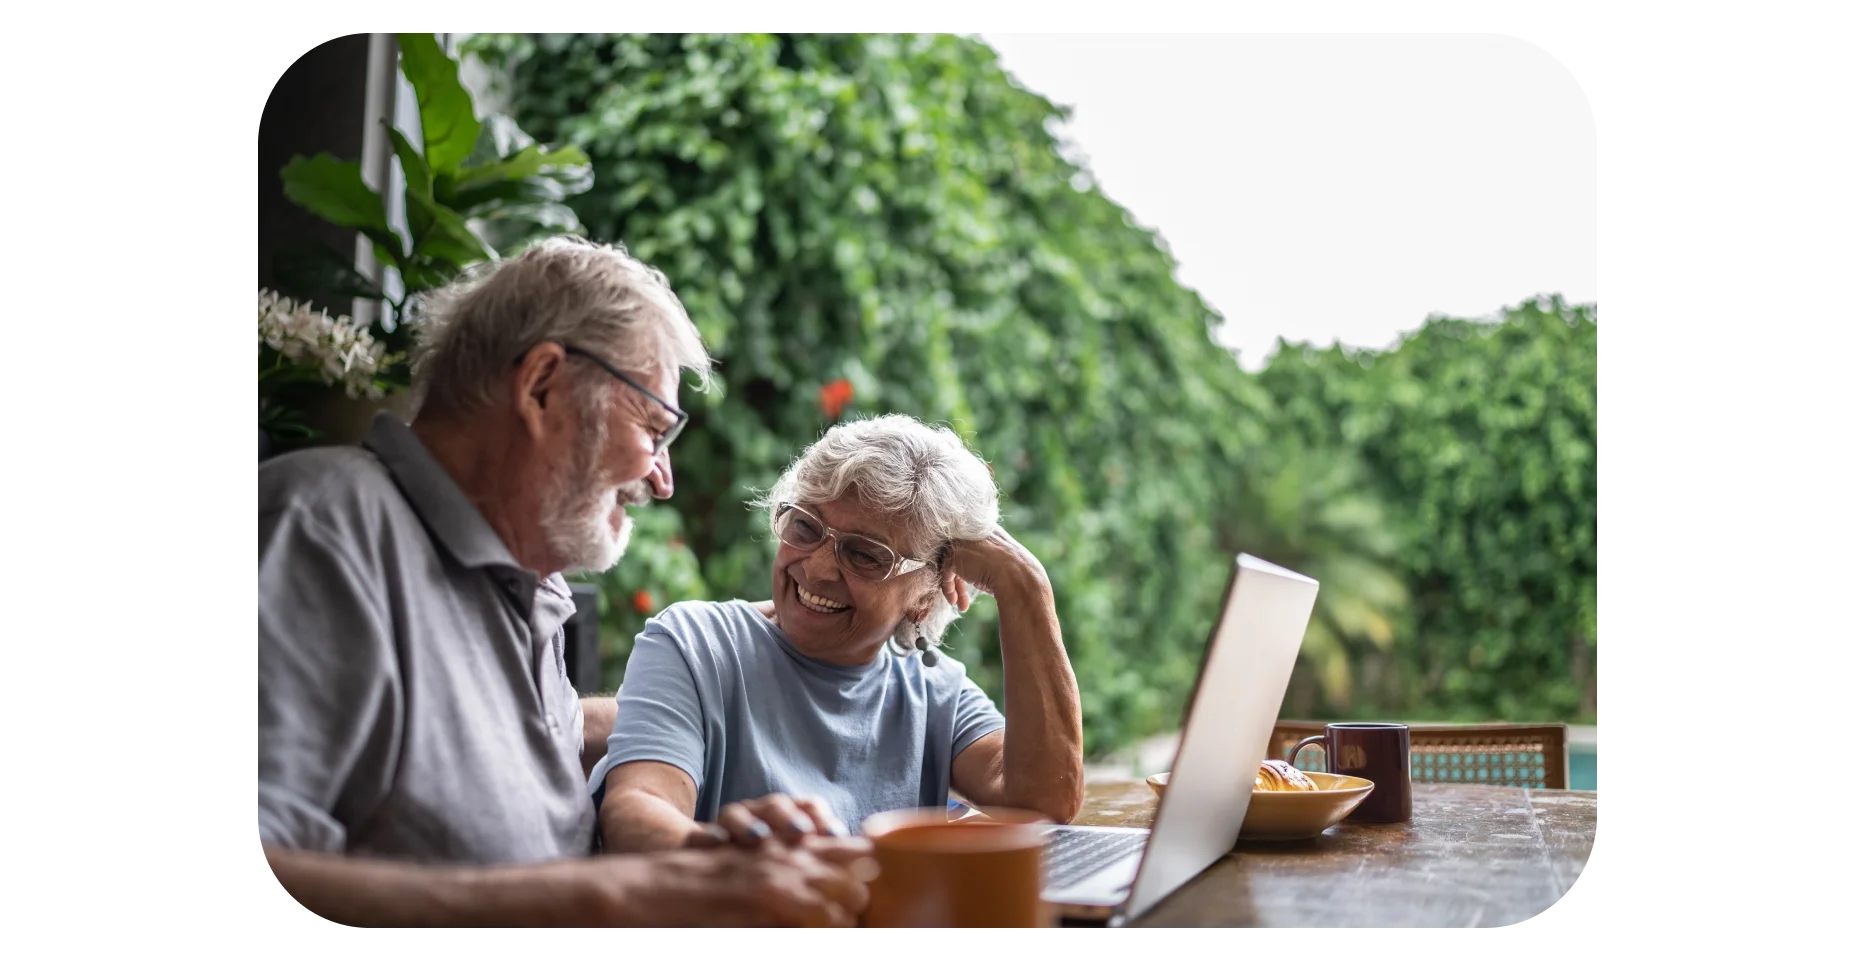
x=1295, y=814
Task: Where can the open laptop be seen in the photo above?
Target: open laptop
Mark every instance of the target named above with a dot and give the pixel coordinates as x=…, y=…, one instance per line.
x=1117, y=873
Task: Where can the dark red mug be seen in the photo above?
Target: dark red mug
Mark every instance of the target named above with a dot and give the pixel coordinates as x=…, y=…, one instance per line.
x=1380, y=752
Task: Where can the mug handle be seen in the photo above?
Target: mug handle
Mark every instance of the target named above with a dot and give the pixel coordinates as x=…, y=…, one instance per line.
x=1317, y=738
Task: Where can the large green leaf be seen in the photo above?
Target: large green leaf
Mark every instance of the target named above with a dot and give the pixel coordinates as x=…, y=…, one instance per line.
x=394, y=255
x=418, y=185
x=573, y=179
x=482, y=198
x=333, y=190
x=511, y=228
x=427, y=275
x=418, y=175
x=498, y=138
x=447, y=118
x=527, y=162
x=557, y=217
x=448, y=238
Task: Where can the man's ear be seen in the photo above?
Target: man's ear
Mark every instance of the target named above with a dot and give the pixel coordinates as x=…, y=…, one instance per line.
x=538, y=388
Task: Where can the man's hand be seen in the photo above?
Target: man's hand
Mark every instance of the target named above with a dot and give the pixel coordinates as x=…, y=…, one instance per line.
x=822, y=883
x=776, y=816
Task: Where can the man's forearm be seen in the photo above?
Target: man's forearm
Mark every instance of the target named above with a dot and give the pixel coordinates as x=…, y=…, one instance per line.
x=634, y=821
x=363, y=892
x=598, y=713
x=1043, y=757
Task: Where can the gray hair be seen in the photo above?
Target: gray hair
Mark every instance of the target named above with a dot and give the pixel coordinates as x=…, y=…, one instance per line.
x=924, y=475
x=564, y=289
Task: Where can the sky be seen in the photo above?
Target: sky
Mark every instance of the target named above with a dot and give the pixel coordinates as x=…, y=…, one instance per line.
x=1336, y=187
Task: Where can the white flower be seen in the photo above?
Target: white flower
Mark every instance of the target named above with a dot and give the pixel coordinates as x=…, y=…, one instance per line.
x=342, y=351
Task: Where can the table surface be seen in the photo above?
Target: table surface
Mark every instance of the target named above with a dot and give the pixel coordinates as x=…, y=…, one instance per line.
x=1471, y=856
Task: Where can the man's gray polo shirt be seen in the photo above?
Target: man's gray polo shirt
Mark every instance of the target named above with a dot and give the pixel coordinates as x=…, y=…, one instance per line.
x=412, y=697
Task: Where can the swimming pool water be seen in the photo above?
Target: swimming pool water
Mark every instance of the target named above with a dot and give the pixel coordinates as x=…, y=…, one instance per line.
x=1583, y=764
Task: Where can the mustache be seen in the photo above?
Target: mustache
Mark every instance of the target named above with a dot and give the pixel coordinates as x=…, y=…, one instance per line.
x=633, y=493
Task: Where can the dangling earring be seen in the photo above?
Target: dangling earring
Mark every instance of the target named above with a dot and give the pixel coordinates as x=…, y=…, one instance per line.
x=929, y=657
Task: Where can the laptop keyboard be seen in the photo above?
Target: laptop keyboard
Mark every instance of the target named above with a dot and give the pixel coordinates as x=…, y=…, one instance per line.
x=1071, y=855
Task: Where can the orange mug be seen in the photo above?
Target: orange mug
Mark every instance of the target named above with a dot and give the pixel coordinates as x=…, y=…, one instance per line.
x=981, y=872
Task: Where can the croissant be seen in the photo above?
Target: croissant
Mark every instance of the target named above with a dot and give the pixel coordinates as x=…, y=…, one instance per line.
x=1279, y=775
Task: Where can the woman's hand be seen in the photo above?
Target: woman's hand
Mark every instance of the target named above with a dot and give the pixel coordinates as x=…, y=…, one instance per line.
x=995, y=564
x=750, y=823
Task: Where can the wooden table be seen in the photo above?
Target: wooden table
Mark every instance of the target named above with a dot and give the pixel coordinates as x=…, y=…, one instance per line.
x=1471, y=856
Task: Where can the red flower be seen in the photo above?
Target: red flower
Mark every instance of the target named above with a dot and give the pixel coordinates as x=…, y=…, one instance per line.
x=833, y=396
x=643, y=602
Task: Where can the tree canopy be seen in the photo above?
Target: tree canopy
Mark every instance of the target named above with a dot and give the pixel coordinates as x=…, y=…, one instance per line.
x=873, y=223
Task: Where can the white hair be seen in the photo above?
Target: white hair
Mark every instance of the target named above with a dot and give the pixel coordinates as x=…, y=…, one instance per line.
x=564, y=289
x=922, y=475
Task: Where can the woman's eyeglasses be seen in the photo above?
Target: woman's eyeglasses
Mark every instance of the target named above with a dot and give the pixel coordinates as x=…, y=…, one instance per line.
x=858, y=555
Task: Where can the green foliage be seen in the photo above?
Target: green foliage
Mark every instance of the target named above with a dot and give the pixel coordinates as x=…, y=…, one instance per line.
x=892, y=212
x=1311, y=510
x=1484, y=437
x=447, y=120
x=479, y=188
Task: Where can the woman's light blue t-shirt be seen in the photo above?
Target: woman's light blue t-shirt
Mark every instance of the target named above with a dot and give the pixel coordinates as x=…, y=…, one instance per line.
x=718, y=691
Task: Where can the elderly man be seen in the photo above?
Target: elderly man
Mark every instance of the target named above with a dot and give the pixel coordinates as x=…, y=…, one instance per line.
x=421, y=754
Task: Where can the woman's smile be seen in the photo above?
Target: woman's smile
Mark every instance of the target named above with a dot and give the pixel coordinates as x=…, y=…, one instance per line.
x=817, y=604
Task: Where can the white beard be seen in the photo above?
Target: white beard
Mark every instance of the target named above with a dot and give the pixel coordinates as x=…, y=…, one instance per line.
x=578, y=516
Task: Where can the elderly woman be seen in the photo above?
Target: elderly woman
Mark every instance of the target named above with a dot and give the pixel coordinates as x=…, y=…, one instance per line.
x=804, y=714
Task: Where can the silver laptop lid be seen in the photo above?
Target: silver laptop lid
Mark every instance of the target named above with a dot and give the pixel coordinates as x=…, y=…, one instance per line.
x=1227, y=727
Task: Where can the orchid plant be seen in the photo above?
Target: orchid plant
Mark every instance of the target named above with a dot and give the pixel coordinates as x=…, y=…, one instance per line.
x=298, y=343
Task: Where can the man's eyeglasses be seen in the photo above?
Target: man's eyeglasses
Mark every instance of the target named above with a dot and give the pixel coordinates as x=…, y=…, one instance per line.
x=661, y=439
x=858, y=555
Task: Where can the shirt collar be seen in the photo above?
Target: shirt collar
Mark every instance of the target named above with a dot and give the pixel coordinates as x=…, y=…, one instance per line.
x=455, y=522
x=460, y=528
